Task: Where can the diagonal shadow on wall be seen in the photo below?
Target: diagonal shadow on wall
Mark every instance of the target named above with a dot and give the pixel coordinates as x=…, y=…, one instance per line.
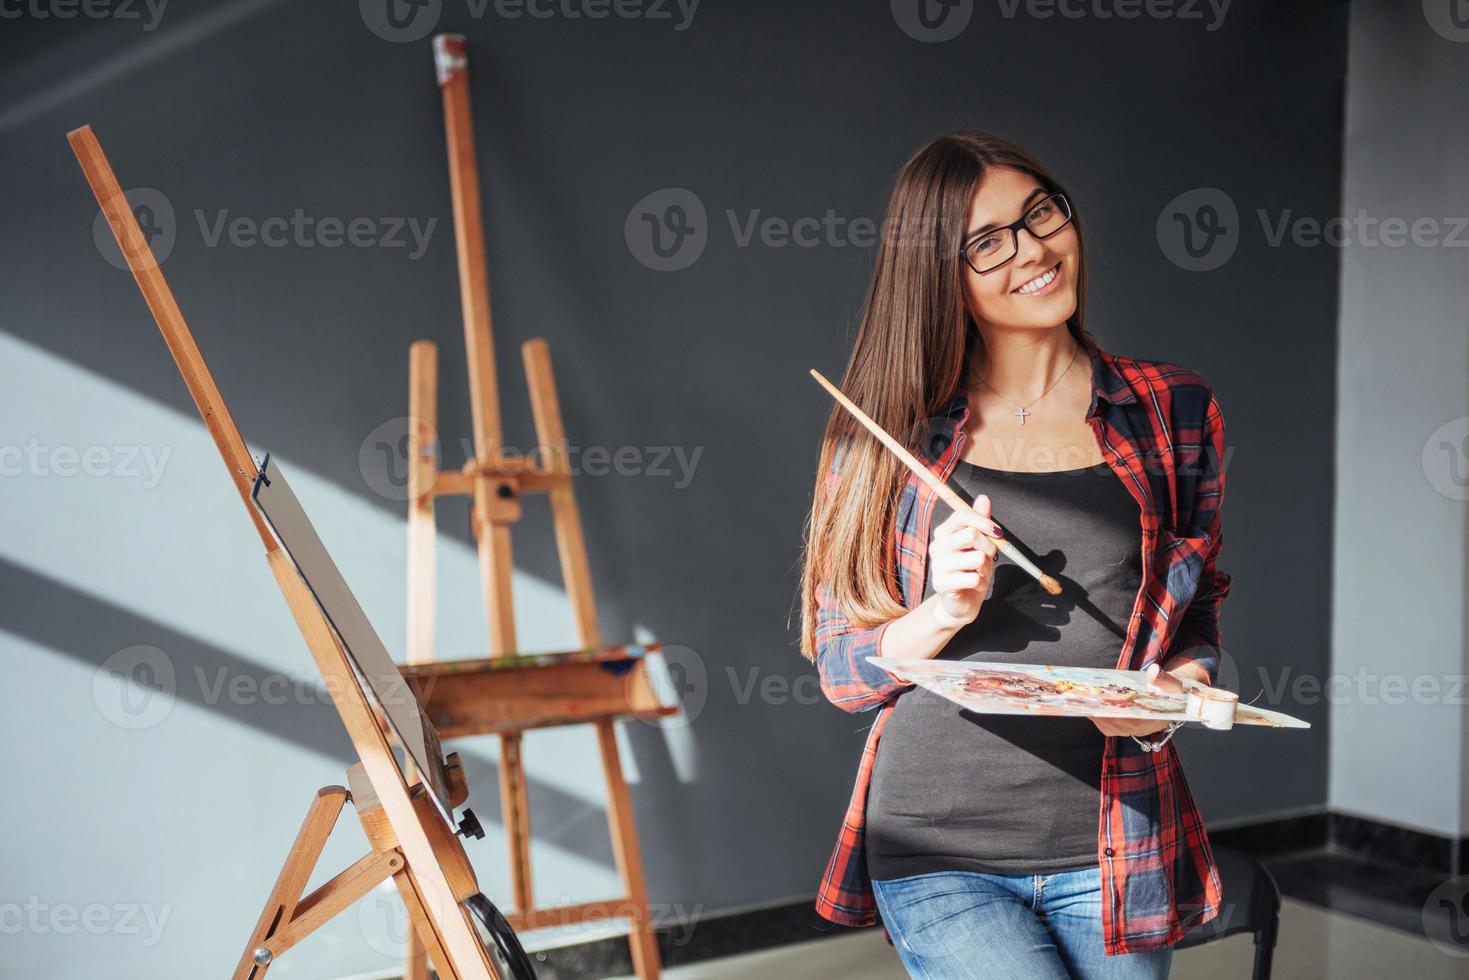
x=205, y=674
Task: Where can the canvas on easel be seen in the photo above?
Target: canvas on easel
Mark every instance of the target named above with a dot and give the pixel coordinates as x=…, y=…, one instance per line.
x=405, y=804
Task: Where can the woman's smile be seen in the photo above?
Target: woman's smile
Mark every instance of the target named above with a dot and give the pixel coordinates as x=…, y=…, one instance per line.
x=1041, y=285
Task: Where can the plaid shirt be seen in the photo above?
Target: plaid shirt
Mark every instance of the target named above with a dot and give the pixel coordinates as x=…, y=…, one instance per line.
x=1162, y=433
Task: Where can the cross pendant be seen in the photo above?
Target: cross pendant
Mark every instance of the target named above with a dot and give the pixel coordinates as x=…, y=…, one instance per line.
x=1020, y=414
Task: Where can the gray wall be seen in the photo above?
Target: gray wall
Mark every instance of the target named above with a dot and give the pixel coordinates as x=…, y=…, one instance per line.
x=1399, y=749
x=180, y=806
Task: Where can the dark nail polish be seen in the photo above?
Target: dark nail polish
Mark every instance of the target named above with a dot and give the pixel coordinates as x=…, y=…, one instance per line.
x=999, y=531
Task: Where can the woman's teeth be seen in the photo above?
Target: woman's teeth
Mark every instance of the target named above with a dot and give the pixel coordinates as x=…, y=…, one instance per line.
x=1041, y=281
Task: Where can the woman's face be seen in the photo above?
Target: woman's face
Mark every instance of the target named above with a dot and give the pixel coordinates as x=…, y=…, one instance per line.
x=1018, y=295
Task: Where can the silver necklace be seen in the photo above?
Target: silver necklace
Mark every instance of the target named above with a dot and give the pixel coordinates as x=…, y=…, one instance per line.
x=1020, y=410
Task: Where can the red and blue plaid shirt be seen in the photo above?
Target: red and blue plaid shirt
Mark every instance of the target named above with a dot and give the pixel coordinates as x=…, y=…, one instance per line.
x=1161, y=431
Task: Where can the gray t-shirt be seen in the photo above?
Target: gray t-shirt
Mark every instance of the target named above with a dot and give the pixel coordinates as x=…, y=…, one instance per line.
x=1006, y=794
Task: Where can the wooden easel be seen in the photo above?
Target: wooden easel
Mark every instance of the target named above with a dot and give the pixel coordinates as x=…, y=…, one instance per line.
x=508, y=694
x=408, y=821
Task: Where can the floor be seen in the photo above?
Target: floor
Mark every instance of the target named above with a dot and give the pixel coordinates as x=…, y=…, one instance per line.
x=1314, y=944
x=1343, y=918
x=1384, y=894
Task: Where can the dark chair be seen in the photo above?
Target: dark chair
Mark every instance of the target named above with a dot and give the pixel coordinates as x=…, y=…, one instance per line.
x=1251, y=904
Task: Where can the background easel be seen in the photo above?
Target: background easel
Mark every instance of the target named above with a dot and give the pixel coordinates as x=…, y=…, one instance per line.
x=508, y=694
x=408, y=820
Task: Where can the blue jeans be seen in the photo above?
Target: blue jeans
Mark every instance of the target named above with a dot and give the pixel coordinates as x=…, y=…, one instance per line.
x=957, y=925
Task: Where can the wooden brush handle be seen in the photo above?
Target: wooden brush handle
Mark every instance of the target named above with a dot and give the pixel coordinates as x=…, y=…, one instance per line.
x=927, y=475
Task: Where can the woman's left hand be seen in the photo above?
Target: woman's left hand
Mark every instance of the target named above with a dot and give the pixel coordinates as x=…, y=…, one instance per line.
x=1158, y=680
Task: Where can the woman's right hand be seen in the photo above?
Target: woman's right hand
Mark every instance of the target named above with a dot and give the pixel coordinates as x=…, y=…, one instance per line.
x=962, y=562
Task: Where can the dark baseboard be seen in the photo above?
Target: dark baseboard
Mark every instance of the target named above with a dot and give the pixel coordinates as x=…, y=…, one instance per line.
x=705, y=938
x=1399, y=845
x=1362, y=837
x=1274, y=837
x=729, y=933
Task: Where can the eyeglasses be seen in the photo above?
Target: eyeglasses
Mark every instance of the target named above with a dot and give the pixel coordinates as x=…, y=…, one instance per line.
x=994, y=248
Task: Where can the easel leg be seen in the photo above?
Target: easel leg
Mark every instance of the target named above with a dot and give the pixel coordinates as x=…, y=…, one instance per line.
x=423, y=473
x=417, y=965
x=641, y=939
x=291, y=883
x=570, y=543
x=495, y=571
x=516, y=814
x=423, y=943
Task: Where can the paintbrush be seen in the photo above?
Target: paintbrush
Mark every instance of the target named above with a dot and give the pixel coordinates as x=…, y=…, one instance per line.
x=951, y=498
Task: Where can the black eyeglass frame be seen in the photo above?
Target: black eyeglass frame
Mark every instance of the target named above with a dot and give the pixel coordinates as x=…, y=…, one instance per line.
x=1014, y=229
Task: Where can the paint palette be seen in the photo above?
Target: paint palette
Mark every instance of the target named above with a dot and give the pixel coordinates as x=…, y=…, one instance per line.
x=1044, y=690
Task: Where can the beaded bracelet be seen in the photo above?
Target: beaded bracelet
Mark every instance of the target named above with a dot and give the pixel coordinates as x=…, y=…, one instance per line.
x=1158, y=745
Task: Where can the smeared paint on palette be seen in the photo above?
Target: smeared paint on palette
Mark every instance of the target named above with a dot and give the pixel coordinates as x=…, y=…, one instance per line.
x=1041, y=689
x=615, y=659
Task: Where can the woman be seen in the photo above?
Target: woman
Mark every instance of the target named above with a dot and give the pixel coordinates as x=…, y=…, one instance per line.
x=1007, y=846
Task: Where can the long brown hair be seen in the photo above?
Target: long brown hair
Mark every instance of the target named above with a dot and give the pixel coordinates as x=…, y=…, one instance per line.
x=914, y=348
